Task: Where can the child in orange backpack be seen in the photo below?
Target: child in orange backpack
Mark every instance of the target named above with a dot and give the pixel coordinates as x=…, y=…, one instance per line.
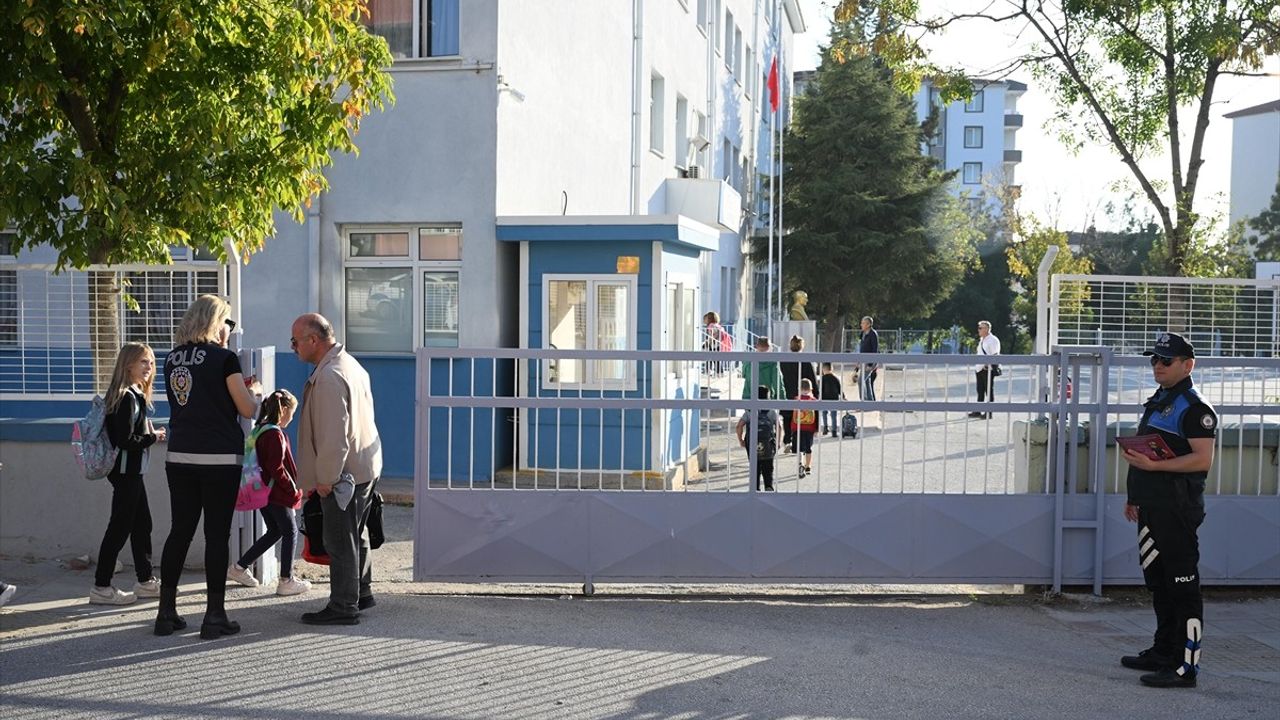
x=276, y=462
x=805, y=425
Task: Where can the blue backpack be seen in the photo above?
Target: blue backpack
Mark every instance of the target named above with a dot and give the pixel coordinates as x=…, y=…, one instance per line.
x=93, y=450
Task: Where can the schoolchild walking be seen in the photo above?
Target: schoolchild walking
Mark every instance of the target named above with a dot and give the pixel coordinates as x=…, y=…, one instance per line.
x=804, y=424
x=128, y=402
x=831, y=390
x=766, y=438
x=276, y=462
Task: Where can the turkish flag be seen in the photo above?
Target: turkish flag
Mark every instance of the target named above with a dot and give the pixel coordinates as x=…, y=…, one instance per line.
x=773, y=85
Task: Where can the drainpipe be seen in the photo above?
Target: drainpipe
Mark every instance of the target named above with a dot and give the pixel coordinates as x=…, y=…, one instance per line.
x=637, y=82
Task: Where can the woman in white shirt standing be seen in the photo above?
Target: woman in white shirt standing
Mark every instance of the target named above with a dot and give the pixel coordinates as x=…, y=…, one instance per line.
x=988, y=344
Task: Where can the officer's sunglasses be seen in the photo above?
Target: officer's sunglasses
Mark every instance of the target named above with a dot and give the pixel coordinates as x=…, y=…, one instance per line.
x=1162, y=360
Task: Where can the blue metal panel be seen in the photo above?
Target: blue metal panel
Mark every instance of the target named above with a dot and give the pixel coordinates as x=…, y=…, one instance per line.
x=466, y=444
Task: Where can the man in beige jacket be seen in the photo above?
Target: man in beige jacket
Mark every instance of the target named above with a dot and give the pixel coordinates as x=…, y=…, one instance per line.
x=338, y=443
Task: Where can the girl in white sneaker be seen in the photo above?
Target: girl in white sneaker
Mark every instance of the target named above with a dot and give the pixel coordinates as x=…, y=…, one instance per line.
x=276, y=461
x=128, y=400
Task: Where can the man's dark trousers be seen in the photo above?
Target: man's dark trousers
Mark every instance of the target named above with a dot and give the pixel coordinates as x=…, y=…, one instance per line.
x=1169, y=551
x=350, y=568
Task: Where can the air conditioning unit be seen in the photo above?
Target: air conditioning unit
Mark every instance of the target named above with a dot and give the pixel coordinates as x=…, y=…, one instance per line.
x=693, y=172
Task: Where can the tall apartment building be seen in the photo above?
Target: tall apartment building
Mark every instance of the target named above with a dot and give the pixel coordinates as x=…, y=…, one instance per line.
x=1255, y=158
x=976, y=138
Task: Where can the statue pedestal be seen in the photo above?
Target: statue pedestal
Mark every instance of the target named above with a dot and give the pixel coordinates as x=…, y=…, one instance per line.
x=781, y=331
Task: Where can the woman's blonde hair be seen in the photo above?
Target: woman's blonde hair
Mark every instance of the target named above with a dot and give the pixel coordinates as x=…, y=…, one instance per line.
x=129, y=354
x=202, y=321
x=273, y=407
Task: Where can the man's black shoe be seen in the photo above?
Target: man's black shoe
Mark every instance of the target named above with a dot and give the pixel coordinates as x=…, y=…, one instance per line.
x=1149, y=660
x=975, y=414
x=329, y=616
x=1169, y=678
x=366, y=602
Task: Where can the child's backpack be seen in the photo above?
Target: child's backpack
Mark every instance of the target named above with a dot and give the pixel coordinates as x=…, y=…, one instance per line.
x=767, y=437
x=253, y=491
x=93, y=450
x=849, y=425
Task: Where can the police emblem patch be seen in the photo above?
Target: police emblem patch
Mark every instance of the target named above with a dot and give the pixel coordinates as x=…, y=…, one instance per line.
x=1207, y=422
x=180, y=383
x=1167, y=411
x=1162, y=338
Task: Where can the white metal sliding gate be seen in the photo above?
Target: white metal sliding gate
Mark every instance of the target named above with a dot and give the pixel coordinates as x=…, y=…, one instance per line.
x=520, y=477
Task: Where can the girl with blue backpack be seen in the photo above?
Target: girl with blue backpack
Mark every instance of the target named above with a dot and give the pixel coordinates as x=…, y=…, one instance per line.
x=271, y=447
x=128, y=402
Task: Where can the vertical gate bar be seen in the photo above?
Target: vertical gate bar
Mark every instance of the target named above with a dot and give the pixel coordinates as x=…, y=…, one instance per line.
x=493, y=423
x=559, y=398
x=600, y=441
x=448, y=448
x=753, y=432
x=1059, y=475
x=946, y=425
x=1098, y=464
x=471, y=425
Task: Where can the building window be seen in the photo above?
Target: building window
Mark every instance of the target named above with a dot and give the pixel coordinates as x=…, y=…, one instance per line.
x=715, y=25
x=749, y=72
x=162, y=298
x=401, y=287
x=435, y=21
x=586, y=312
x=737, y=54
x=728, y=39
x=974, y=104
x=972, y=173
x=726, y=161
x=973, y=136
x=682, y=131
x=703, y=154
x=702, y=16
x=657, y=112
x=8, y=293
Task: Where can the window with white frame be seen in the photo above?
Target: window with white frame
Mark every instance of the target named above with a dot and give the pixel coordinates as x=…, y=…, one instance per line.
x=657, y=111
x=702, y=16
x=972, y=173
x=726, y=161
x=8, y=292
x=749, y=72
x=704, y=154
x=737, y=54
x=401, y=287
x=716, y=17
x=973, y=136
x=415, y=28
x=728, y=39
x=682, y=131
x=589, y=312
x=974, y=104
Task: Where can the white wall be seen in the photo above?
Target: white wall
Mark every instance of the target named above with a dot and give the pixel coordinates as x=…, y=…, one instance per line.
x=1255, y=163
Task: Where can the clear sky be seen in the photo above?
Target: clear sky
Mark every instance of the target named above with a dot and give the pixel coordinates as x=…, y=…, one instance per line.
x=1070, y=191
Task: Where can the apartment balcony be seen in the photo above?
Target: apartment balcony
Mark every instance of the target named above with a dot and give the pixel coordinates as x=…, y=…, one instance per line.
x=1012, y=156
x=1013, y=120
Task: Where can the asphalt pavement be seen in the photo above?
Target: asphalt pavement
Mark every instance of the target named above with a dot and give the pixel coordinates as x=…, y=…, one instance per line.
x=426, y=651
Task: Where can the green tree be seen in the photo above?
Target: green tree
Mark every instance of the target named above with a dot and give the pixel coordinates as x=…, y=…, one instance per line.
x=1122, y=71
x=986, y=292
x=871, y=229
x=129, y=126
x=1266, y=226
x=1025, y=253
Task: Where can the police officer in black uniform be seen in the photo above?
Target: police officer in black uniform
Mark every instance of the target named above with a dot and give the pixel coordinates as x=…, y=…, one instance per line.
x=1166, y=499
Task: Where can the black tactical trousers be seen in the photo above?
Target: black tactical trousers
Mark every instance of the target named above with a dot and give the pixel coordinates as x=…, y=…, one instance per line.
x=1170, y=554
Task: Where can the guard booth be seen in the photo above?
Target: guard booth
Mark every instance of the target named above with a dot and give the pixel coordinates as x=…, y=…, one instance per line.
x=607, y=283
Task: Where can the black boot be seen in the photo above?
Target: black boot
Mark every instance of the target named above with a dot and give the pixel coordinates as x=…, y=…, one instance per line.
x=216, y=624
x=168, y=619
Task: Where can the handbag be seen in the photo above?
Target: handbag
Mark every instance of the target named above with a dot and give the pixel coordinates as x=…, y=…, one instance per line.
x=313, y=528
x=374, y=523
x=254, y=491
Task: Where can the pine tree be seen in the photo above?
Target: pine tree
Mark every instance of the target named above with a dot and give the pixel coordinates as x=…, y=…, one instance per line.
x=1266, y=243
x=870, y=228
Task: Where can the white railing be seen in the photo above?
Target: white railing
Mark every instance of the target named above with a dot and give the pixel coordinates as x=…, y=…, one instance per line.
x=52, y=325
x=1221, y=317
x=487, y=421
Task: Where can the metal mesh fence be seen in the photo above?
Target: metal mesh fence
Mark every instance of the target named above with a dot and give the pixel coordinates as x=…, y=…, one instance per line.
x=1221, y=317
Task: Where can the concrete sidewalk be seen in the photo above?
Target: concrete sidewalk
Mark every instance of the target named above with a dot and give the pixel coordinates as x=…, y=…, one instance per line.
x=451, y=656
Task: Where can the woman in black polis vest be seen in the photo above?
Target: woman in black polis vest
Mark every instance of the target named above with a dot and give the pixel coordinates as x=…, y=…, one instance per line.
x=207, y=397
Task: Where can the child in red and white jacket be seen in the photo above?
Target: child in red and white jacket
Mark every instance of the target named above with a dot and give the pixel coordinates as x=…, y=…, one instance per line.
x=276, y=461
x=805, y=425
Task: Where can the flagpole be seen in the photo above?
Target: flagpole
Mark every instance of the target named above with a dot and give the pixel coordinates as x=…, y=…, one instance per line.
x=780, y=114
